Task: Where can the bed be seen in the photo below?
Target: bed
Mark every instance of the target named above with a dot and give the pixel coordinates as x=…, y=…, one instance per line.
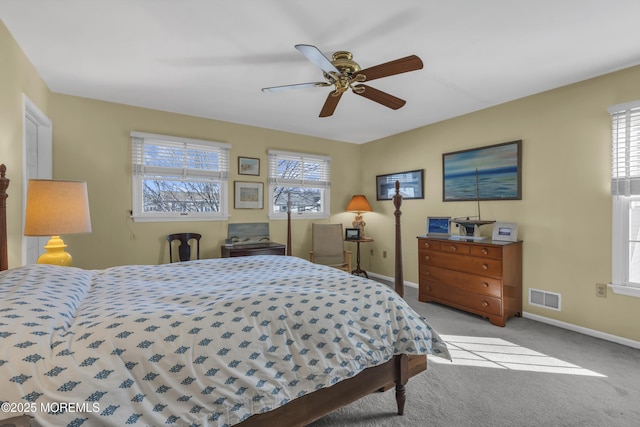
x=264, y=341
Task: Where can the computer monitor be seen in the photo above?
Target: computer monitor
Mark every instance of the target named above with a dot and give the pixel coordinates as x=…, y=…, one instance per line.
x=438, y=226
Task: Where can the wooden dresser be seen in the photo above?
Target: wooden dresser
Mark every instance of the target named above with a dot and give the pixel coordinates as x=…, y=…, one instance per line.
x=481, y=277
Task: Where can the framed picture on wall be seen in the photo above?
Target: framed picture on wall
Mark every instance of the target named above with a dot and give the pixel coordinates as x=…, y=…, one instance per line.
x=248, y=166
x=411, y=185
x=248, y=195
x=493, y=172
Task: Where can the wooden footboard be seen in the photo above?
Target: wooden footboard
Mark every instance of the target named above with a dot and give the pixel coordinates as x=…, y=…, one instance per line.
x=308, y=408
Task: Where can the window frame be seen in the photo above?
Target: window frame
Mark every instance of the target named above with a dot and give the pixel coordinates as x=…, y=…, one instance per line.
x=138, y=174
x=323, y=184
x=625, y=167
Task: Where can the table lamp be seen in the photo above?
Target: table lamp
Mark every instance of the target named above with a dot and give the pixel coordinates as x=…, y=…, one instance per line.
x=55, y=208
x=359, y=204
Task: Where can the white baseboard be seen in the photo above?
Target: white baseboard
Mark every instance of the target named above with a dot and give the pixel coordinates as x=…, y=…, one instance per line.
x=542, y=319
x=391, y=280
x=583, y=330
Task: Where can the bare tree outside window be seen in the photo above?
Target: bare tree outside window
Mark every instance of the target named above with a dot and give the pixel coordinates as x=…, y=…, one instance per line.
x=178, y=177
x=302, y=178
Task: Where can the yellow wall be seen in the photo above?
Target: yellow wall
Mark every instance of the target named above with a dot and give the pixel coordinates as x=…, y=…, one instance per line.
x=564, y=216
x=92, y=142
x=565, y=211
x=17, y=77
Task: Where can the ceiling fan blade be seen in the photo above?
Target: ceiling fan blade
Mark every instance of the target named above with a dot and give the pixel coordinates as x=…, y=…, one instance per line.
x=402, y=65
x=295, y=86
x=330, y=104
x=314, y=55
x=379, y=96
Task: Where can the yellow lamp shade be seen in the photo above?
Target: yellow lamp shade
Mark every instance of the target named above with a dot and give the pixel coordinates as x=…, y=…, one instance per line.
x=54, y=208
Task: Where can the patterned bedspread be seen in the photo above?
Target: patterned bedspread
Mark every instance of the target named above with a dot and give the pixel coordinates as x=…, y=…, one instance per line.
x=202, y=343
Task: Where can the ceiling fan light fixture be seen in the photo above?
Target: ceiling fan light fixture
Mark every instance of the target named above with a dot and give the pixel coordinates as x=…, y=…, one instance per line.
x=342, y=72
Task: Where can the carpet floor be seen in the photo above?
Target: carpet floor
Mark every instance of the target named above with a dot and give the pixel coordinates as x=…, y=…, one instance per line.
x=525, y=374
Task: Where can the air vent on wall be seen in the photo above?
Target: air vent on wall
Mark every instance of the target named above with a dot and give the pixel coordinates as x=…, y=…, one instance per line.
x=544, y=299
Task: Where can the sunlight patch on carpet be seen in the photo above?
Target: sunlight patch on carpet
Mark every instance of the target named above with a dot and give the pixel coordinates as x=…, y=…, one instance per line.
x=501, y=354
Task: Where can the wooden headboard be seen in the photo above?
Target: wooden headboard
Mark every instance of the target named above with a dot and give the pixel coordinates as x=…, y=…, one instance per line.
x=4, y=184
x=397, y=202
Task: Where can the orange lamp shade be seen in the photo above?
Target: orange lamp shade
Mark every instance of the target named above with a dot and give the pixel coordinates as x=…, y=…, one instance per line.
x=359, y=203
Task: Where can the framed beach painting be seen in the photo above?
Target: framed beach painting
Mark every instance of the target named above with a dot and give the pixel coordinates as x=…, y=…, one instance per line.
x=492, y=172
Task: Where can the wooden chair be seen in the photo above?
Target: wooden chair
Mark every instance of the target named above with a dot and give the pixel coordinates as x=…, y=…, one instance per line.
x=184, y=250
x=327, y=246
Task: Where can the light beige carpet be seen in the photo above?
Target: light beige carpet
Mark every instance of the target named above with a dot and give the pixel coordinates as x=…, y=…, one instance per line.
x=525, y=374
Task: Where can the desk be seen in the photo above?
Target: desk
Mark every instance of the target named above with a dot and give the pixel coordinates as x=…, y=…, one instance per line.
x=358, y=271
x=270, y=248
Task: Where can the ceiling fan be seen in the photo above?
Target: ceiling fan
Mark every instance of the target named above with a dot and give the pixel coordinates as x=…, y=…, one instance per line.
x=343, y=73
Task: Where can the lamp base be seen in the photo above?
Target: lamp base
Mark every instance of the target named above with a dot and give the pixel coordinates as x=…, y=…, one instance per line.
x=359, y=223
x=55, y=253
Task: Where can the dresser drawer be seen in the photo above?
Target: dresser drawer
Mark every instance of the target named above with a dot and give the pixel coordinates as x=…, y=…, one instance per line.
x=470, y=282
x=486, y=251
x=483, y=303
x=470, y=264
x=428, y=244
x=454, y=248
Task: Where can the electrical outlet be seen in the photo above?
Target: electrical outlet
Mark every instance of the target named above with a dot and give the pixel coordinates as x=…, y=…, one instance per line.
x=601, y=290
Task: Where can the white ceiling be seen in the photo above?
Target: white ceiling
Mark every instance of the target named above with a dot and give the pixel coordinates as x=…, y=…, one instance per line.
x=210, y=58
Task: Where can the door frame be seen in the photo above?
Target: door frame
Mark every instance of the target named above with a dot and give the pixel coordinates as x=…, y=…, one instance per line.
x=44, y=161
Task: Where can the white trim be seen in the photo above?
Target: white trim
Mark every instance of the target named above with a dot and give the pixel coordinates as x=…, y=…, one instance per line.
x=582, y=330
x=631, y=291
x=154, y=136
x=553, y=322
x=622, y=107
x=392, y=280
x=177, y=219
x=44, y=160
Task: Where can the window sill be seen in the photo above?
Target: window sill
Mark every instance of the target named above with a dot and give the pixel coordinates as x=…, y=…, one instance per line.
x=177, y=219
x=631, y=291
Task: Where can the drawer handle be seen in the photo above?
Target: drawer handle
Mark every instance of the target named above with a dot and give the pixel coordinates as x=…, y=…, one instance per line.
x=454, y=248
x=428, y=288
x=485, y=284
x=428, y=273
x=426, y=257
x=485, y=304
x=427, y=245
x=485, y=266
x=485, y=251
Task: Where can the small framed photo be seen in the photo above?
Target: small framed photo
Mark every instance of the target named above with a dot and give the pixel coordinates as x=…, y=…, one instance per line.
x=352, y=234
x=248, y=166
x=438, y=226
x=248, y=195
x=507, y=231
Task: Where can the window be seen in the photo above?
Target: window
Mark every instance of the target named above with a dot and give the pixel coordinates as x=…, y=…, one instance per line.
x=178, y=179
x=625, y=189
x=302, y=179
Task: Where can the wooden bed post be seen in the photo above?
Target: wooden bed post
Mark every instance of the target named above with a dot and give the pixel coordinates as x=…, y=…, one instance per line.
x=289, y=224
x=399, y=279
x=4, y=184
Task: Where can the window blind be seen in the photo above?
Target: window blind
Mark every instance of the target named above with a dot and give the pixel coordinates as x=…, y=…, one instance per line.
x=160, y=155
x=625, y=149
x=287, y=169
